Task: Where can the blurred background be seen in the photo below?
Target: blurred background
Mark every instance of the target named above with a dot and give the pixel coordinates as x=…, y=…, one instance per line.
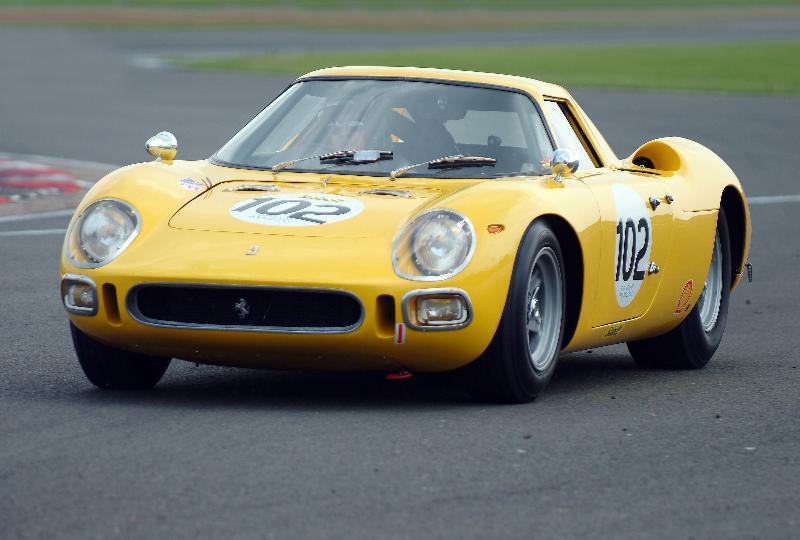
x=608, y=451
x=112, y=72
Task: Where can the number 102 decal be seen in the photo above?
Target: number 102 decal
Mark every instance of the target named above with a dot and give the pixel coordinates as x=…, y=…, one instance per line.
x=628, y=260
x=633, y=241
x=297, y=210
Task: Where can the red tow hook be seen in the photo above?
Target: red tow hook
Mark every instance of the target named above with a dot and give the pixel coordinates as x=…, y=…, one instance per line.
x=399, y=376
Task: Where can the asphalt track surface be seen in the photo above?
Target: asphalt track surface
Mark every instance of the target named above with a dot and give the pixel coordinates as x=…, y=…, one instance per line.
x=609, y=450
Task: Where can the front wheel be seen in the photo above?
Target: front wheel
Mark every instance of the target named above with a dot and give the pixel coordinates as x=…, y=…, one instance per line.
x=523, y=354
x=692, y=344
x=110, y=368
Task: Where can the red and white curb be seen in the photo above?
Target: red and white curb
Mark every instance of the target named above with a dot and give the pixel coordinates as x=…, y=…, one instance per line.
x=22, y=179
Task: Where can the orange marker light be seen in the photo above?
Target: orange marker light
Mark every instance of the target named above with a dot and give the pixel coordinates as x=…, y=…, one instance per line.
x=495, y=228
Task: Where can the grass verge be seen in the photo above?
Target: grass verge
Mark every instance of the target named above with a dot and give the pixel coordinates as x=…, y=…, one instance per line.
x=418, y=16
x=769, y=68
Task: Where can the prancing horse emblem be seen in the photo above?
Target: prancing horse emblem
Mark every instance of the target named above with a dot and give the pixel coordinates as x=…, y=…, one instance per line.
x=242, y=309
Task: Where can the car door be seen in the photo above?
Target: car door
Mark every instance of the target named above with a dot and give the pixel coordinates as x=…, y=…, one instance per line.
x=636, y=225
x=636, y=235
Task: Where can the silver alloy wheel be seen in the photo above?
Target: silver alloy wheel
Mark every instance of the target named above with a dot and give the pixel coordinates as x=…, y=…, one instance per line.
x=543, y=309
x=711, y=297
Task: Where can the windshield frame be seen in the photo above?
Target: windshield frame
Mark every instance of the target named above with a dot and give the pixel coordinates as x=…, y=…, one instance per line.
x=427, y=173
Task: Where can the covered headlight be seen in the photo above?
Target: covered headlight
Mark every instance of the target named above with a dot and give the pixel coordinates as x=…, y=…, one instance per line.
x=102, y=231
x=435, y=245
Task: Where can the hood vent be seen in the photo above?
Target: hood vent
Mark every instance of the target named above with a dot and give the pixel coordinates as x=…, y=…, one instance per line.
x=253, y=187
x=386, y=192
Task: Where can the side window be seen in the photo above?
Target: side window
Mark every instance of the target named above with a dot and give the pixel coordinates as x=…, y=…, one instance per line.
x=562, y=123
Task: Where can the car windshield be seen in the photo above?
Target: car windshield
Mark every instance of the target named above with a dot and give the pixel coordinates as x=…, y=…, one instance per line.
x=414, y=121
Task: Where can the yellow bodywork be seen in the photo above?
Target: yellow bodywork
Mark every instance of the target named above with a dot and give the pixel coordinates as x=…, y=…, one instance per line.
x=188, y=236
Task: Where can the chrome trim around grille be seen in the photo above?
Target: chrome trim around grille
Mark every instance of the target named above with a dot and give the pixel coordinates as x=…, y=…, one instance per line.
x=133, y=310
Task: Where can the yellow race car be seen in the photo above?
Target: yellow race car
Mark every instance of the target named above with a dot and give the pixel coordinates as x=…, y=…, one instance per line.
x=406, y=220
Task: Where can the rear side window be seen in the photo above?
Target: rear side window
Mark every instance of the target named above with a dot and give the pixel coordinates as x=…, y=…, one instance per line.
x=564, y=131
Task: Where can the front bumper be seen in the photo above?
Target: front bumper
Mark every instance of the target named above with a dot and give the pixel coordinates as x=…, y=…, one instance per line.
x=387, y=337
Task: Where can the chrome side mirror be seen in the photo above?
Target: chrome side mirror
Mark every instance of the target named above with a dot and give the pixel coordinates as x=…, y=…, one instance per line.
x=564, y=162
x=163, y=145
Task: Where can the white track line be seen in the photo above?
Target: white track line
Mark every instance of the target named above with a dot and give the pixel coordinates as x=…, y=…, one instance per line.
x=63, y=162
x=775, y=199
x=34, y=232
x=772, y=199
x=38, y=215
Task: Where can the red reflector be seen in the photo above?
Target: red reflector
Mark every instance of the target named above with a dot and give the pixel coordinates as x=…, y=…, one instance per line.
x=399, y=376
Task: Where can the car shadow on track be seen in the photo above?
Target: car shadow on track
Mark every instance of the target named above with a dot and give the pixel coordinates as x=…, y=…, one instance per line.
x=188, y=386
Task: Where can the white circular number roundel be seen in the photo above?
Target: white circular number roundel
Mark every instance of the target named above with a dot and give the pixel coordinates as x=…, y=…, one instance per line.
x=632, y=243
x=297, y=210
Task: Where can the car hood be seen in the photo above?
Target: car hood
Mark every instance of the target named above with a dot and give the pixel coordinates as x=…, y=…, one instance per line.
x=334, y=207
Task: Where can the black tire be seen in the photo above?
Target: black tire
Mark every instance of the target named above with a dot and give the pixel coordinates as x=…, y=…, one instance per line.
x=113, y=369
x=506, y=372
x=690, y=345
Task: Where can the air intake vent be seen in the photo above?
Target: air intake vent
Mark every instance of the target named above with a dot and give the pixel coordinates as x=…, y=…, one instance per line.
x=265, y=309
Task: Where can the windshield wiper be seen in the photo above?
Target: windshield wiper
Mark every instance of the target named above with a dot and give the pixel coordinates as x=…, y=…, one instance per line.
x=448, y=162
x=355, y=157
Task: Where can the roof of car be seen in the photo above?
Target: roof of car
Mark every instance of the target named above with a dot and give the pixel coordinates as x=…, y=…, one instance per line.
x=532, y=86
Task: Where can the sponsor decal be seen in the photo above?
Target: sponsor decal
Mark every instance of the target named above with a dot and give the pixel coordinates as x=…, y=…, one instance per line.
x=632, y=243
x=685, y=298
x=400, y=333
x=253, y=250
x=192, y=184
x=297, y=210
x=615, y=330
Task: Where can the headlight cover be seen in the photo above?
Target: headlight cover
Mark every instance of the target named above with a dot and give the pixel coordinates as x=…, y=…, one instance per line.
x=102, y=231
x=435, y=245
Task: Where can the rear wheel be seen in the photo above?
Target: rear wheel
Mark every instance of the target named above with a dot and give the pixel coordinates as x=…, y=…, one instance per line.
x=110, y=368
x=692, y=344
x=523, y=354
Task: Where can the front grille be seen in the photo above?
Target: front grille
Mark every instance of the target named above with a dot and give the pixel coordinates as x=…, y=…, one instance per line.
x=245, y=308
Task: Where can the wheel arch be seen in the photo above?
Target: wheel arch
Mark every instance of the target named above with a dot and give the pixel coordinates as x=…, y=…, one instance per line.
x=732, y=202
x=572, y=253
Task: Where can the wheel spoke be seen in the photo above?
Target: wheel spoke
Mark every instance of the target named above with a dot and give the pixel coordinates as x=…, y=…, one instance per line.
x=533, y=326
x=543, y=309
x=710, y=298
